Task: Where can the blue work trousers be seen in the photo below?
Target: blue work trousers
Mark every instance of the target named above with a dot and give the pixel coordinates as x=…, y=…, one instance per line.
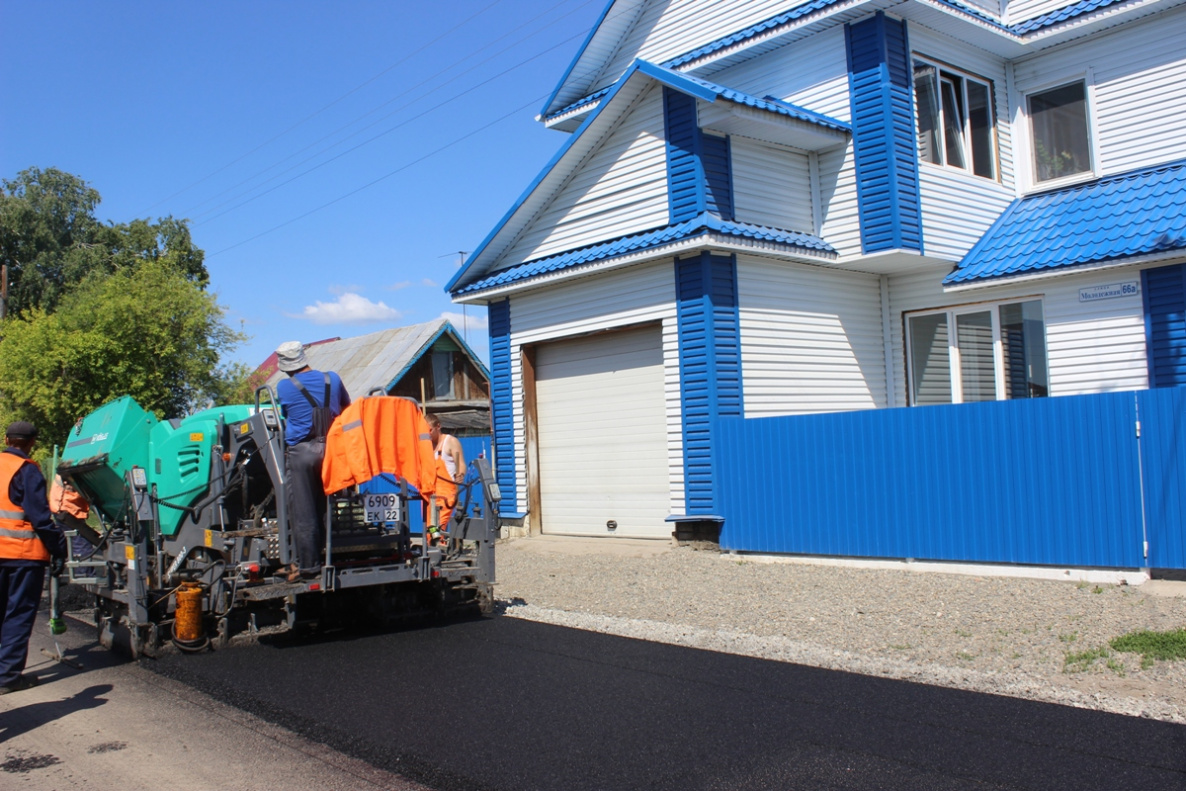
x=20, y=595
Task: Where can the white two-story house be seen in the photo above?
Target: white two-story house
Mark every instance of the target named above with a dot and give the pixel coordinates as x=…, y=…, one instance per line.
x=774, y=207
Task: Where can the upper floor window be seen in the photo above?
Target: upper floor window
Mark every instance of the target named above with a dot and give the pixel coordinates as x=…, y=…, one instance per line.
x=977, y=353
x=955, y=119
x=1061, y=139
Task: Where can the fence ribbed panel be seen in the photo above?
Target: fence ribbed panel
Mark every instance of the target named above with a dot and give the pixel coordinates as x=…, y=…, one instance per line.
x=1052, y=481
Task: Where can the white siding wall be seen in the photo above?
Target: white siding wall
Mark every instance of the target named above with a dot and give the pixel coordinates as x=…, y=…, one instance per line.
x=669, y=29
x=957, y=206
x=620, y=188
x=811, y=339
x=841, y=218
x=771, y=185
x=1139, y=93
x=992, y=7
x=1092, y=347
x=615, y=299
x=1021, y=10
x=811, y=72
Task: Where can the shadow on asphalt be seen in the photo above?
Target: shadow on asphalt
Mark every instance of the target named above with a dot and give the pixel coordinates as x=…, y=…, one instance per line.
x=34, y=715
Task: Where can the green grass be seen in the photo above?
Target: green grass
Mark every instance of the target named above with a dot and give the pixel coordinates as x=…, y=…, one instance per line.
x=1153, y=645
x=1078, y=661
x=1068, y=638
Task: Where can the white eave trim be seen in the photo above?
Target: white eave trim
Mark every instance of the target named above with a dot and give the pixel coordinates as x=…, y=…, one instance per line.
x=1066, y=271
x=714, y=241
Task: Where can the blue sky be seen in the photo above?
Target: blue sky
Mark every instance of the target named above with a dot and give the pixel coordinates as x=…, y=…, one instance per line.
x=333, y=158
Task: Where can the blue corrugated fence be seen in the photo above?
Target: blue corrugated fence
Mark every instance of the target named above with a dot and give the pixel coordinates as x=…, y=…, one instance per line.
x=1051, y=481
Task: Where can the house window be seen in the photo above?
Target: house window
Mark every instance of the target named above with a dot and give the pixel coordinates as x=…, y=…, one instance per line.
x=977, y=353
x=955, y=120
x=1058, y=125
x=442, y=375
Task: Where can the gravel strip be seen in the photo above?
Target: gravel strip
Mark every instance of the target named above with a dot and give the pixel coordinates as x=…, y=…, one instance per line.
x=1034, y=639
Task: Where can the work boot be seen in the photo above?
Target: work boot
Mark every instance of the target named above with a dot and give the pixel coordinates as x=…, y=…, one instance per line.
x=22, y=682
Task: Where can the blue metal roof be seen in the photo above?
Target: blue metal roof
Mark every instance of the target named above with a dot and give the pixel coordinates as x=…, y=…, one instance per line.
x=1021, y=29
x=749, y=32
x=702, y=225
x=1061, y=15
x=1129, y=214
x=678, y=80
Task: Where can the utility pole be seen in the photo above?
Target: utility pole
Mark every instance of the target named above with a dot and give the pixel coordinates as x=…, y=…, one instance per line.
x=461, y=254
x=464, y=308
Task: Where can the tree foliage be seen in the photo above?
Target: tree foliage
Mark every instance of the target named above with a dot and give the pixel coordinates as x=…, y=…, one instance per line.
x=147, y=331
x=51, y=240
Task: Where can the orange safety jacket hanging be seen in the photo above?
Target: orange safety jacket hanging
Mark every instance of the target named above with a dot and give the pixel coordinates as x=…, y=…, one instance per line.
x=376, y=435
x=64, y=500
x=17, y=539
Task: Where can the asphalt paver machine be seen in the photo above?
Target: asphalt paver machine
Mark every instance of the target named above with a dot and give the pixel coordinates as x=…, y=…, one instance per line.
x=195, y=531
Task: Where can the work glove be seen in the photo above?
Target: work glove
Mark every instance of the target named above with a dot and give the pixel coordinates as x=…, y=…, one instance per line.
x=57, y=566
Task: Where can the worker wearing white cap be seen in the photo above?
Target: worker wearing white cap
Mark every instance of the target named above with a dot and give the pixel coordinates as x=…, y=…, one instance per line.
x=310, y=401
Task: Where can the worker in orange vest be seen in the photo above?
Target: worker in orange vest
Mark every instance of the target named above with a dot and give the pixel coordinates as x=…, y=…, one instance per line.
x=450, y=460
x=29, y=541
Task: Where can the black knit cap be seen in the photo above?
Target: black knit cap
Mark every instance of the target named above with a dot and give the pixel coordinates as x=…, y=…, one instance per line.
x=22, y=429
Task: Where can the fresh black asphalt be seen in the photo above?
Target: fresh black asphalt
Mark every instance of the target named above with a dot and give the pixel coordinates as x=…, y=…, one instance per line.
x=503, y=703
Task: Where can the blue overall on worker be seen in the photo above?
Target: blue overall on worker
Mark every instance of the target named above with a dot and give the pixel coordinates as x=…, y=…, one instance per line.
x=29, y=542
x=310, y=401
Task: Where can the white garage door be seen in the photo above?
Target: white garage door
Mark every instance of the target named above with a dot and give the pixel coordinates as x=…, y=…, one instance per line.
x=602, y=435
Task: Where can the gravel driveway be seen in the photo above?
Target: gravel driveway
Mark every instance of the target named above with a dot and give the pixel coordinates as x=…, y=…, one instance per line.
x=1027, y=638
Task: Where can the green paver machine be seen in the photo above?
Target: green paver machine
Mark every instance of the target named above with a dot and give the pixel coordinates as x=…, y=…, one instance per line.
x=194, y=529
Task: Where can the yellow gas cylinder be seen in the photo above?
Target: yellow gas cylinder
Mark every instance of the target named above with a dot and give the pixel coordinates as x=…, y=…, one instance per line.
x=187, y=623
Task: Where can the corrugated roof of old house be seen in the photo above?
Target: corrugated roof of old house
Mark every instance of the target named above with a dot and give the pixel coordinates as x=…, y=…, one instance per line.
x=380, y=358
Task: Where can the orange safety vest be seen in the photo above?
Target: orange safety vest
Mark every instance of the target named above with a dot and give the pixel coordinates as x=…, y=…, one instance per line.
x=375, y=435
x=17, y=539
x=67, y=500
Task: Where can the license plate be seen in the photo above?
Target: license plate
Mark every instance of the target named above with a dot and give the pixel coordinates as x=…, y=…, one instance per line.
x=381, y=507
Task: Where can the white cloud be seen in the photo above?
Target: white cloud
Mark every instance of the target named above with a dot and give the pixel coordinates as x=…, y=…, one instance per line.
x=348, y=309
x=341, y=290
x=400, y=285
x=474, y=321
x=429, y=282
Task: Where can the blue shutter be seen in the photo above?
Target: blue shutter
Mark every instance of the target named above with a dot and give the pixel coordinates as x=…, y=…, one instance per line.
x=710, y=366
x=1164, y=294
x=699, y=170
x=880, y=80
x=502, y=407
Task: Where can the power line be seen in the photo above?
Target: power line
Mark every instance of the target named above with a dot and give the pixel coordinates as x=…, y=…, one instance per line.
x=384, y=177
x=399, y=169
x=344, y=96
x=383, y=133
x=208, y=215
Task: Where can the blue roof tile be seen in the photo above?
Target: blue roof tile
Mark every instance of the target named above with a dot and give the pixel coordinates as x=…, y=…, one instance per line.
x=698, y=226
x=1129, y=214
x=1020, y=29
x=1061, y=15
x=768, y=103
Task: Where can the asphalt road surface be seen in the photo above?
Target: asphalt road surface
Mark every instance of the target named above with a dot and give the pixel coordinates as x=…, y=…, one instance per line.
x=502, y=703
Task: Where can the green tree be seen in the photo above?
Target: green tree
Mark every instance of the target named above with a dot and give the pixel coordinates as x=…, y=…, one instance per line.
x=51, y=240
x=148, y=331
